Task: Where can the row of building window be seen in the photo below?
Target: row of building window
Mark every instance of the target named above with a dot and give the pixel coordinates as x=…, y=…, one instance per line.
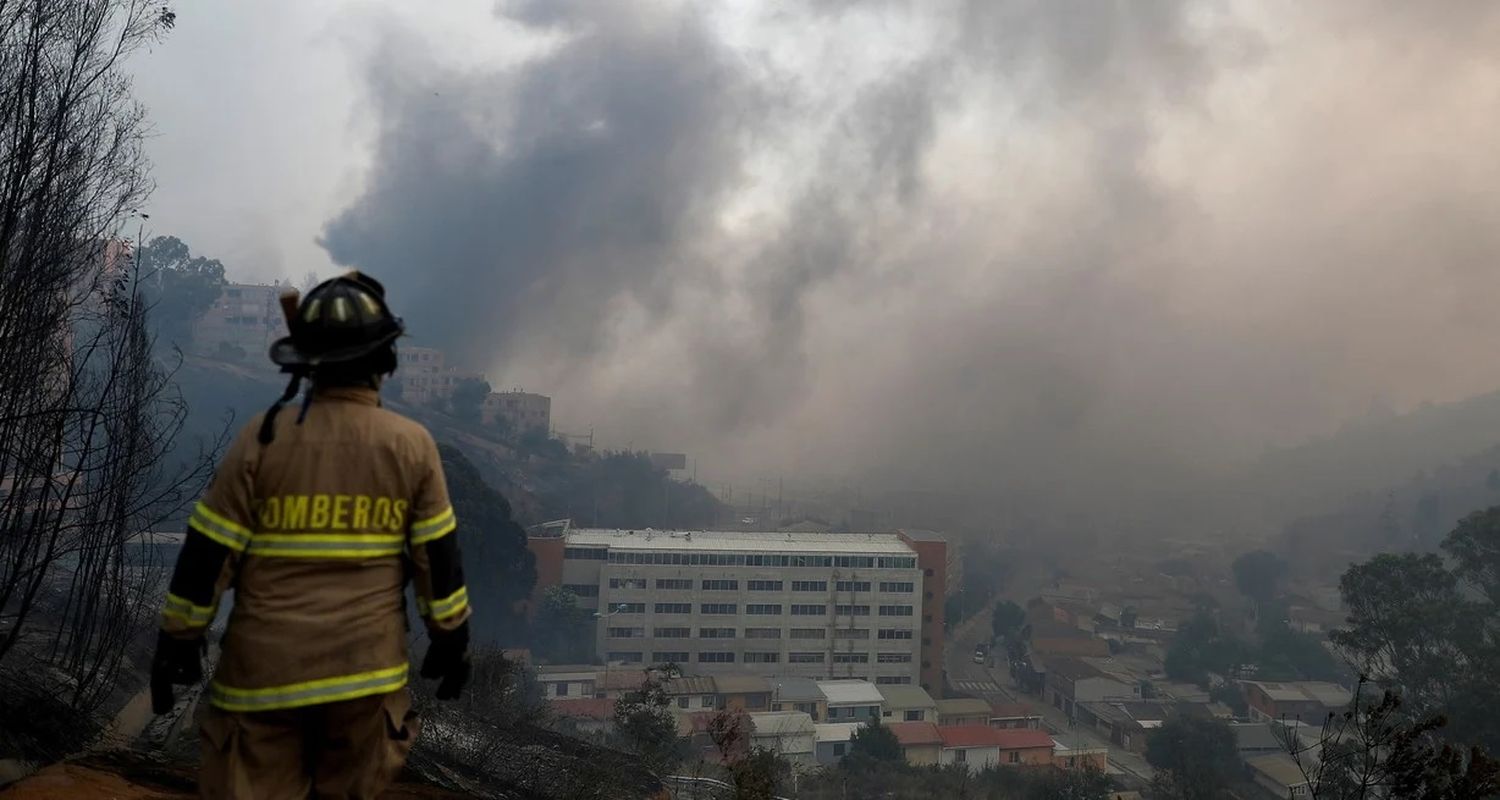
x=765, y=633
x=686, y=584
x=732, y=585
x=683, y=657
x=739, y=559
x=759, y=609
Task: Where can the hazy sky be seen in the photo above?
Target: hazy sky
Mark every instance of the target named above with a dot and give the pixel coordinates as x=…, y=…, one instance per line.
x=1061, y=247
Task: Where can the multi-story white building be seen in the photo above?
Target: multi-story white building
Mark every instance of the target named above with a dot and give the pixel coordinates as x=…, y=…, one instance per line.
x=824, y=605
x=241, y=324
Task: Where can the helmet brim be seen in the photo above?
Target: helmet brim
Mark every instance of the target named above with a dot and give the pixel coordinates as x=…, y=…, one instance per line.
x=285, y=353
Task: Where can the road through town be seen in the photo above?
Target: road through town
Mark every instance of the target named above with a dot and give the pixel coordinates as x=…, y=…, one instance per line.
x=991, y=681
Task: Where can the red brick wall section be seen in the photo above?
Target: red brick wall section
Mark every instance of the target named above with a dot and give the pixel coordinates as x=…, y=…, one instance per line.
x=549, y=566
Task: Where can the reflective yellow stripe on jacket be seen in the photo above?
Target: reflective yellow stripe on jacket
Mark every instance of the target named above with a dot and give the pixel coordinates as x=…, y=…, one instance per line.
x=435, y=527
x=326, y=545
x=219, y=528
x=452, y=605
x=184, y=611
x=307, y=693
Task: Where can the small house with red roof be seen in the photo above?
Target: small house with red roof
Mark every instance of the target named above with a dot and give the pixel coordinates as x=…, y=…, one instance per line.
x=921, y=742
x=587, y=714
x=980, y=746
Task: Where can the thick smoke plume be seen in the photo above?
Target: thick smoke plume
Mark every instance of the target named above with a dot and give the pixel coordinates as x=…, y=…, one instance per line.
x=1061, y=253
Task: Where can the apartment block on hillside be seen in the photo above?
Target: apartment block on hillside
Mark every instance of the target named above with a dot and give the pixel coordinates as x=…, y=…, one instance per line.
x=819, y=605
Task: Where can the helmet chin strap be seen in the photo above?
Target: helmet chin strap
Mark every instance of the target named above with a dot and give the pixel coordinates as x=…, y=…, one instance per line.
x=306, y=401
x=268, y=424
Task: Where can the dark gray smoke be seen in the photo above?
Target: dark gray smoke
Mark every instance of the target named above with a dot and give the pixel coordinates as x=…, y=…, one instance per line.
x=1064, y=253
x=525, y=201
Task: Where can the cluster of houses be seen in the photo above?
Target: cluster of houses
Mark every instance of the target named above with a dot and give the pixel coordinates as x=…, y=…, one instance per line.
x=813, y=722
x=1102, y=668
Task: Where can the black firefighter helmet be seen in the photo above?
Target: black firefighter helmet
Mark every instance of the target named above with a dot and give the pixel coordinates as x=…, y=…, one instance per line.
x=340, y=320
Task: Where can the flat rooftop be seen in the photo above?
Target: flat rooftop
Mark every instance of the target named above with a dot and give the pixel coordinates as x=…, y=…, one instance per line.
x=851, y=692
x=740, y=541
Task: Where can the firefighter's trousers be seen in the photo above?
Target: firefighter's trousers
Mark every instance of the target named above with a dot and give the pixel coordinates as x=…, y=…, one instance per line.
x=350, y=750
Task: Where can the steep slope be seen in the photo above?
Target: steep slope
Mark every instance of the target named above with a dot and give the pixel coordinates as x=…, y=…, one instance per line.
x=1373, y=456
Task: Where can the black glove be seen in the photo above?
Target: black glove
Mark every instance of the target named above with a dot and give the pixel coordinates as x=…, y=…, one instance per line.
x=448, y=658
x=177, y=661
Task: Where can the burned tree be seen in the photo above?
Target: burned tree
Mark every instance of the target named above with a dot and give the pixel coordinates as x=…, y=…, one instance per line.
x=87, y=413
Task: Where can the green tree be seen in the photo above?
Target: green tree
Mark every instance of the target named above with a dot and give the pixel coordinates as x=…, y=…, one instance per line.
x=625, y=490
x=1087, y=783
x=500, y=569
x=1258, y=574
x=179, y=285
x=644, y=723
x=1201, y=647
x=1418, y=627
x=875, y=742
x=1007, y=619
x=756, y=773
x=1195, y=757
x=1286, y=655
x=1474, y=546
x=955, y=610
x=1376, y=749
x=1230, y=695
x=467, y=400
x=562, y=631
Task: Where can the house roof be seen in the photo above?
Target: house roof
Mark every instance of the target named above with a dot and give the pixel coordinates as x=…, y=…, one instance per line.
x=962, y=705
x=900, y=697
x=1073, y=669
x=851, y=693
x=624, y=678
x=1023, y=739
x=1185, y=692
x=1057, y=630
x=1329, y=694
x=781, y=723
x=741, y=684
x=1012, y=710
x=690, y=684
x=915, y=733
x=836, y=731
x=601, y=708
x=1278, y=767
x=1256, y=736
x=968, y=736
x=796, y=690
x=919, y=535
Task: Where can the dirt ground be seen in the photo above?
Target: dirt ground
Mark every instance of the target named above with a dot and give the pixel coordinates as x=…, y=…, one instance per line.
x=126, y=776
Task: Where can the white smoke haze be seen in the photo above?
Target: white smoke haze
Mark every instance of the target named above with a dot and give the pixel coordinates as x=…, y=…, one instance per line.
x=1066, y=253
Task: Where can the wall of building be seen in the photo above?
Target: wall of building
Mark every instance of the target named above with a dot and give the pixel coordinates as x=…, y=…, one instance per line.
x=246, y=317
x=975, y=758
x=549, y=566
x=909, y=715
x=1090, y=690
x=842, y=713
x=932, y=560
x=524, y=410
x=1026, y=757
x=654, y=607
x=922, y=755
